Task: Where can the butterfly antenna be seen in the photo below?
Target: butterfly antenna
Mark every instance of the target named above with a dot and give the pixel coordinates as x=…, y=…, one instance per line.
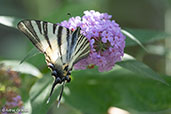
x=60, y=96
x=53, y=86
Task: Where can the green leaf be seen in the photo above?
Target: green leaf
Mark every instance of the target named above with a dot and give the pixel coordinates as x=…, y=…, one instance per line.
x=9, y=21
x=30, y=54
x=140, y=68
x=132, y=37
x=95, y=93
x=144, y=36
x=22, y=68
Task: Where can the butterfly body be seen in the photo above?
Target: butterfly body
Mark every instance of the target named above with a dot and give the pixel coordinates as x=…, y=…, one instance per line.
x=62, y=47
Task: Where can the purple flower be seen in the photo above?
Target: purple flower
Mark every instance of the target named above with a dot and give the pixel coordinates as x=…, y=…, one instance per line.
x=17, y=98
x=107, y=36
x=106, y=40
x=14, y=102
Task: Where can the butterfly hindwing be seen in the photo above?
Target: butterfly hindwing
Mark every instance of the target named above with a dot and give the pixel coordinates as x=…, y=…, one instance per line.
x=59, y=44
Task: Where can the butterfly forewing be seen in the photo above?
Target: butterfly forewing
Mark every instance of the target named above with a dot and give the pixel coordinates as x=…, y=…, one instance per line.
x=59, y=44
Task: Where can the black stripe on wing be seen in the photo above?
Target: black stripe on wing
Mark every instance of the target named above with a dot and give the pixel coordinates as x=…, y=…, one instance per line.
x=30, y=28
x=82, y=45
x=83, y=54
x=64, y=41
x=59, y=35
x=75, y=36
x=39, y=26
x=45, y=30
x=54, y=28
x=72, y=42
x=68, y=34
x=82, y=49
x=26, y=27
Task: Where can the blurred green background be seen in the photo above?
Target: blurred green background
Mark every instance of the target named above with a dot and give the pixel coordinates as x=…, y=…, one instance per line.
x=93, y=92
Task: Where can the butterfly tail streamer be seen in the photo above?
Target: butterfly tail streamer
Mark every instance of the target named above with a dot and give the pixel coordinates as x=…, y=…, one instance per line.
x=60, y=96
x=53, y=86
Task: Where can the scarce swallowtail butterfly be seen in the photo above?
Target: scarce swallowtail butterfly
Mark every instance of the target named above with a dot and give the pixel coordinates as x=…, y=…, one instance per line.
x=62, y=48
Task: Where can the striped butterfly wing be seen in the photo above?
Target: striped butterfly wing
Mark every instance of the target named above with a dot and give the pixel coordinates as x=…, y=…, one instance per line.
x=59, y=44
x=79, y=48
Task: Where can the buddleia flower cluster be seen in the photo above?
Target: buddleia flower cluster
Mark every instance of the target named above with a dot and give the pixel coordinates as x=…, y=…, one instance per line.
x=106, y=40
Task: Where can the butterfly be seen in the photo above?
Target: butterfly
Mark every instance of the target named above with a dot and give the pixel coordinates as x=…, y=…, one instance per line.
x=61, y=47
